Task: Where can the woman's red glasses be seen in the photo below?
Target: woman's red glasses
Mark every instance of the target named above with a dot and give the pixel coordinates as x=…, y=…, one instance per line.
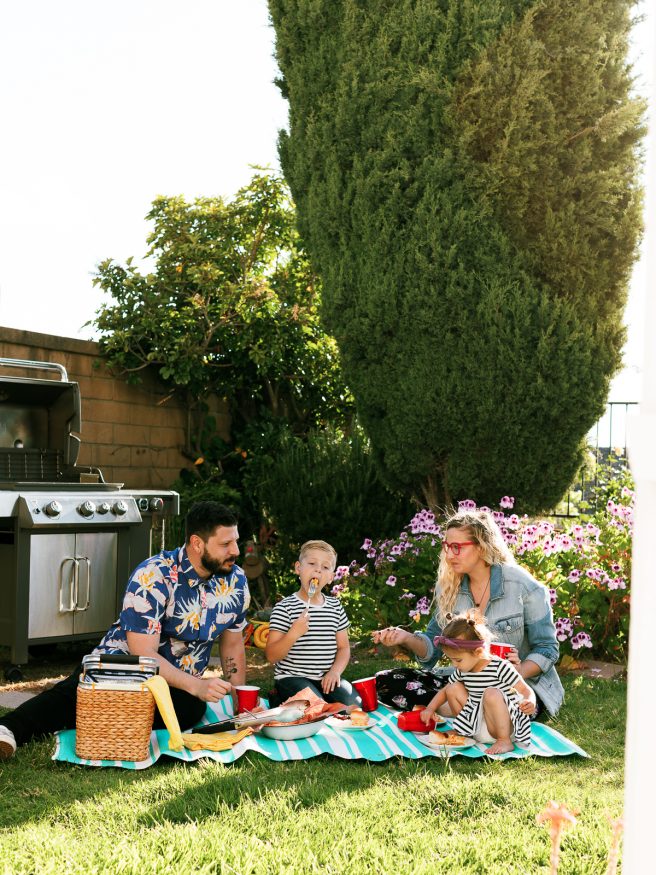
x=456, y=546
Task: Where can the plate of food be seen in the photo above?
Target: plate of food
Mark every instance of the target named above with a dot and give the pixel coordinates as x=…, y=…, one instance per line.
x=446, y=741
x=354, y=722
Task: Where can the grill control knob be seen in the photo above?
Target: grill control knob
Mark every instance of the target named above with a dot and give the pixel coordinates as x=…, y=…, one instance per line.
x=120, y=508
x=53, y=508
x=87, y=508
x=104, y=507
x=155, y=504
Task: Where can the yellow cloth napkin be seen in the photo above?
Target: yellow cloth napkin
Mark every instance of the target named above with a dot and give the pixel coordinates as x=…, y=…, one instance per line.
x=215, y=740
x=162, y=695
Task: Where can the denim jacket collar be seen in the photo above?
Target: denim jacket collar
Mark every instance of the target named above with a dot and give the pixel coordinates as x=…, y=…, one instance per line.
x=496, y=583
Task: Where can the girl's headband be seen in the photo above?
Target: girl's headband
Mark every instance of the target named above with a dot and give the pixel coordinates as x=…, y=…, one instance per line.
x=458, y=643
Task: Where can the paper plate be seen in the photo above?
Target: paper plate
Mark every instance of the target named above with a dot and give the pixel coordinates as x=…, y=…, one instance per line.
x=347, y=726
x=425, y=739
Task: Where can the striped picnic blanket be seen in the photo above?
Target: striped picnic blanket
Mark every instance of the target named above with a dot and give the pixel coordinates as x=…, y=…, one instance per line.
x=383, y=741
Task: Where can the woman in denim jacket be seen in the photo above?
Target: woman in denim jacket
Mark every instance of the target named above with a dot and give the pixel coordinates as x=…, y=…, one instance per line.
x=477, y=570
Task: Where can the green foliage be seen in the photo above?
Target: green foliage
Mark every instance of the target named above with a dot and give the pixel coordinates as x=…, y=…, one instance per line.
x=586, y=563
x=465, y=176
x=324, y=486
x=192, y=490
x=229, y=310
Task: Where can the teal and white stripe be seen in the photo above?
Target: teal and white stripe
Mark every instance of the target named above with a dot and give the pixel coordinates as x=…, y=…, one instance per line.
x=381, y=743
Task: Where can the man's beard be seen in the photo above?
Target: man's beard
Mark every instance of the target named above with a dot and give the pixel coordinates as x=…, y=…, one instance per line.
x=214, y=566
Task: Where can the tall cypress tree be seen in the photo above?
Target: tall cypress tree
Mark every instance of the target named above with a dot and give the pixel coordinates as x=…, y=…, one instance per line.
x=465, y=178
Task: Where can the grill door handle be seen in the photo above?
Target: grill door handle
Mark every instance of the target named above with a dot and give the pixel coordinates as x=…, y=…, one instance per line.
x=72, y=586
x=86, y=560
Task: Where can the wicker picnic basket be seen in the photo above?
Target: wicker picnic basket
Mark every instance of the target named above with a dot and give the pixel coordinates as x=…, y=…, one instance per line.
x=115, y=709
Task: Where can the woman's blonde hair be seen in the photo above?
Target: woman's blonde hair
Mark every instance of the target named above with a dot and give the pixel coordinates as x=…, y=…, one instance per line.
x=483, y=530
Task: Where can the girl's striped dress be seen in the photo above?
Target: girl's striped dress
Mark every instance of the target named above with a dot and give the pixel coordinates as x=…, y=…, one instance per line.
x=497, y=673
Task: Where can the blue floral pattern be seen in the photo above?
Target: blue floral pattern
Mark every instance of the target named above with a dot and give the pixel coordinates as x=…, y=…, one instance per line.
x=166, y=597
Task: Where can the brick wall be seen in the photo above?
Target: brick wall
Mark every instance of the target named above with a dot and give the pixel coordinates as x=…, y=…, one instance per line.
x=132, y=433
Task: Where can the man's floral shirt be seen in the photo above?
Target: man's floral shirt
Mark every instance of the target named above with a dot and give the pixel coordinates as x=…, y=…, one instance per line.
x=166, y=597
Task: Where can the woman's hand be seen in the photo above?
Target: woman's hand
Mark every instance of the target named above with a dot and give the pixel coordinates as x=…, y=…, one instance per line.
x=391, y=636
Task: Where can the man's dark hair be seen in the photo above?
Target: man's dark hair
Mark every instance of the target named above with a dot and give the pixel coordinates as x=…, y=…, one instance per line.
x=204, y=516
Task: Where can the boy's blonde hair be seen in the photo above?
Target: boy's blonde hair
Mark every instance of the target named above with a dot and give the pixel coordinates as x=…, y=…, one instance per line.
x=324, y=546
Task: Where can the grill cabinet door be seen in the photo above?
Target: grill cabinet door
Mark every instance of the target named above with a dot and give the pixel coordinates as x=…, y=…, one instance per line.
x=52, y=567
x=96, y=554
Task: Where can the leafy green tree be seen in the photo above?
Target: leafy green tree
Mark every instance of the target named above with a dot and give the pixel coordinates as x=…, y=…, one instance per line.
x=465, y=179
x=228, y=309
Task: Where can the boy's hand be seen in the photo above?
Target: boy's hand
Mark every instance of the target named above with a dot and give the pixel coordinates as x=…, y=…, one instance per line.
x=427, y=715
x=300, y=627
x=329, y=681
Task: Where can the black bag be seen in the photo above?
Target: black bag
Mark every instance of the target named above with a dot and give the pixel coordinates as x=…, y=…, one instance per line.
x=403, y=688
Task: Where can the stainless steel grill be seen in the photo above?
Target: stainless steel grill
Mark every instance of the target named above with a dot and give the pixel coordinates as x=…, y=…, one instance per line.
x=68, y=540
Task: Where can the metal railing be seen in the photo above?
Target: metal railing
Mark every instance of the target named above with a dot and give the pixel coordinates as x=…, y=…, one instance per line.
x=606, y=439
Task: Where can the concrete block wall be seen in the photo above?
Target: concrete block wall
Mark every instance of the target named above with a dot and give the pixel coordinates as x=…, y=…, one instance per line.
x=134, y=434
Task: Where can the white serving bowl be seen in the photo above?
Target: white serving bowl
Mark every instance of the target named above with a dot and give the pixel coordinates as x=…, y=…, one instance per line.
x=293, y=732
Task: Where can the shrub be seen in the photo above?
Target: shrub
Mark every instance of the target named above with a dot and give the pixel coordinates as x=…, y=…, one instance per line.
x=326, y=486
x=586, y=564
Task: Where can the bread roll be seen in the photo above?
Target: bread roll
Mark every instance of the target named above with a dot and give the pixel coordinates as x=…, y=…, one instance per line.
x=359, y=717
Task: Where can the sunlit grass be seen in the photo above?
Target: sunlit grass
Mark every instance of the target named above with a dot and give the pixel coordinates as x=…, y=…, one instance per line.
x=323, y=815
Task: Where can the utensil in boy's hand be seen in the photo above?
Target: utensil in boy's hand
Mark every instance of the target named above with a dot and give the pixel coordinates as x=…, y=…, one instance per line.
x=314, y=586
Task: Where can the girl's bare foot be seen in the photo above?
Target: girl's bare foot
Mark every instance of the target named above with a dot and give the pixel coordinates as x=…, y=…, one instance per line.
x=502, y=745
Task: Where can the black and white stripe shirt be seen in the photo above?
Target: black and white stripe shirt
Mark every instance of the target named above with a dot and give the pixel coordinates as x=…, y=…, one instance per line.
x=313, y=654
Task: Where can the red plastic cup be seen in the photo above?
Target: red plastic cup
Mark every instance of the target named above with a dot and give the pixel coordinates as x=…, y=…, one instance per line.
x=366, y=689
x=410, y=721
x=500, y=648
x=247, y=698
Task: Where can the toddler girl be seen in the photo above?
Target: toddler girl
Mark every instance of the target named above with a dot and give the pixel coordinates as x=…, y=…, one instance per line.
x=485, y=694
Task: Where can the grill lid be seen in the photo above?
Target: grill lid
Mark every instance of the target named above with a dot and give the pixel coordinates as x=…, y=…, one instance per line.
x=39, y=421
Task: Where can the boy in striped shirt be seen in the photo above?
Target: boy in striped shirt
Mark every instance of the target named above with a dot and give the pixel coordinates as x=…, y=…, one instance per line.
x=308, y=636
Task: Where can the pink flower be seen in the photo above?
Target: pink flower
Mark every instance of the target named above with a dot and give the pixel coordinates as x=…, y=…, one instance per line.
x=341, y=571
x=553, y=597
x=564, y=628
x=581, y=639
x=367, y=544
x=391, y=580
x=507, y=501
x=574, y=575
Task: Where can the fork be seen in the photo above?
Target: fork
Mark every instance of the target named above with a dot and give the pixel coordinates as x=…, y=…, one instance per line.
x=314, y=585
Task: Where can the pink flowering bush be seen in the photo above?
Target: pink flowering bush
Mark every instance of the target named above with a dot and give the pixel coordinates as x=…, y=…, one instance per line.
x=585, y=562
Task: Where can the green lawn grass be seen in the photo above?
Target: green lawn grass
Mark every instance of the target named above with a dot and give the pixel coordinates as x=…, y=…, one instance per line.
x=322, y=815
